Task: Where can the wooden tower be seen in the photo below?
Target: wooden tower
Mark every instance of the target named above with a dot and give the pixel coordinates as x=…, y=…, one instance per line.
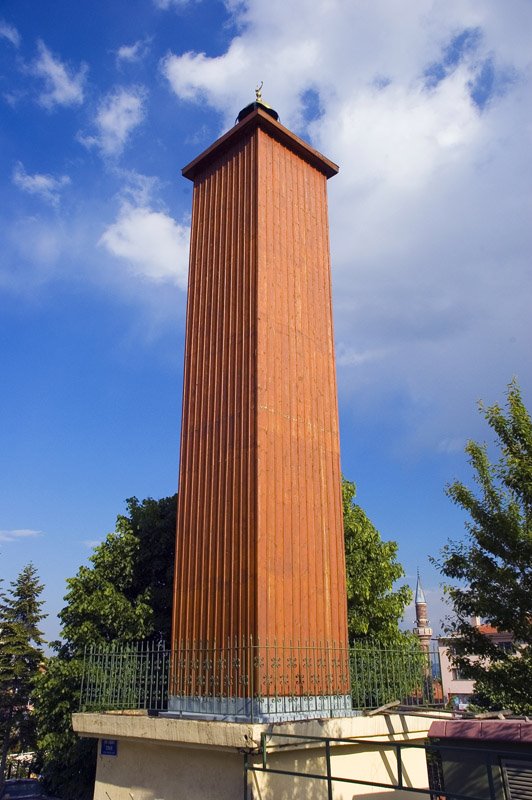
x=260, y=573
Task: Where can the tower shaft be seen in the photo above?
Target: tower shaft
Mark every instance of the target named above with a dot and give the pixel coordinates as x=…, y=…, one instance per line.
x=259, y=531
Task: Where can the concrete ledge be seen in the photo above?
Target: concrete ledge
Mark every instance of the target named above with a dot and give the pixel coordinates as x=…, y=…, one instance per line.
x=240, y=736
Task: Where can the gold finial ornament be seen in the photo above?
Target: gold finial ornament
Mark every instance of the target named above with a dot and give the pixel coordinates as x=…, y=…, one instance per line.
x=258, y=103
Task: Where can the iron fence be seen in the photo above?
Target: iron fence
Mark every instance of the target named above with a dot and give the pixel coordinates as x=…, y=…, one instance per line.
x=380, y=675
x=20, y=765
x=125, y=675
x=254, y=680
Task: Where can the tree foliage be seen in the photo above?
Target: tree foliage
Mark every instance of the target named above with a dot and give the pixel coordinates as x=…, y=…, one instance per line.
x=100, y=605
x=124, y=594
x=493, y=564
x=69, y=762
x=21, y=656
x=154, y=524
x=374, y=608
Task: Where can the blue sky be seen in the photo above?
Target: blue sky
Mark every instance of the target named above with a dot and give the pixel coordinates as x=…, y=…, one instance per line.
x=426, y=108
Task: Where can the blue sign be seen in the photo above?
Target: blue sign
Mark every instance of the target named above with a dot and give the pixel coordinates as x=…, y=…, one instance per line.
x=109, y=747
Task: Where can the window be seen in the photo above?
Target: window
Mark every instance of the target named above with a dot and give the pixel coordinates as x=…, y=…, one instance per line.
x=458, y=675
x=518, y=779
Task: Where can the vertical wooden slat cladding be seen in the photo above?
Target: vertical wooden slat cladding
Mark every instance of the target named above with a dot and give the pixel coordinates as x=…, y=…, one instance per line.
x=215, y=557
x=259, y=530
x=301, y=578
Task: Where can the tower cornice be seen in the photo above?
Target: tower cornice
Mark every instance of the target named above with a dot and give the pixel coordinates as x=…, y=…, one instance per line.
x=259, y=118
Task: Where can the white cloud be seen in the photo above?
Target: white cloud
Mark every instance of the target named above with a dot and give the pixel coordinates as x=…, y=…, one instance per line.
x=44, y=186
x=14, y=96
x=226, y=82
x=166, y=4
x=36, y=242
x=63, y=85
x=154, y=246
x=450, y=445
x=351, y=357
x=429, y=215
x=18, y=534
x=138, y=189
x=119, y=113
x=10, y=33
x=132, y=52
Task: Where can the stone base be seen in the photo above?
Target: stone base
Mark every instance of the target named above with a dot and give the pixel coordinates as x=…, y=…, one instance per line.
x=267, y=709
x=160, y=758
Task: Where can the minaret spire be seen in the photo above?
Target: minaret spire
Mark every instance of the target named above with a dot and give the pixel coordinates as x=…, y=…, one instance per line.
x=422, y=630
x=420, y=594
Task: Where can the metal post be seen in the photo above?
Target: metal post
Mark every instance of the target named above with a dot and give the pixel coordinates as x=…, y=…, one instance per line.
x=82, y=678
x=250, y=661
x=145, y=662
x=246, y=776
x=263, y=748
x=328, y=762
x=491, y=783
x=399, y=766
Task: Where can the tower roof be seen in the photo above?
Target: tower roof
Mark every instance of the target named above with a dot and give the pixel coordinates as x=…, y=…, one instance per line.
x=420, y=594
x=260, y=117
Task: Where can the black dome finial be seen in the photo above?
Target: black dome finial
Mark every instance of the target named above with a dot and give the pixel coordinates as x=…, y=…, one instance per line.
x=259, y=103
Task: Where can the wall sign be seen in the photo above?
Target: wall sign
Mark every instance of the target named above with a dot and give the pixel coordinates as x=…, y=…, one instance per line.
x=109, y=747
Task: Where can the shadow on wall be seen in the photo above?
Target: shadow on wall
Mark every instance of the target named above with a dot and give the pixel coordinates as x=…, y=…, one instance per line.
x=397, y=795
x=285, y=788
x=289, y=788
x=369, y=761
x=365, y=762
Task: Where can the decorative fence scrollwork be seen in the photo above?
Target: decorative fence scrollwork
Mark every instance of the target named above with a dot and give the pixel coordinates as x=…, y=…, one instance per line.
x=252, y=679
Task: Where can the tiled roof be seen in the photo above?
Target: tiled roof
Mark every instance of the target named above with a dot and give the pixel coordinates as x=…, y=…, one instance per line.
x=495, y=730
x=489, y=630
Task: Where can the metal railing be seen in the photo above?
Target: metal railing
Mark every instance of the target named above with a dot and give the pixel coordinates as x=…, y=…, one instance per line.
x=248, y=679
x=381, y=674
x=125, y=675
x=487, y=758
x=20, y=765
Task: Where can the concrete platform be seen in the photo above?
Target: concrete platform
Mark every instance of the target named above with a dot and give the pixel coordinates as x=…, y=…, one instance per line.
x=160, y=758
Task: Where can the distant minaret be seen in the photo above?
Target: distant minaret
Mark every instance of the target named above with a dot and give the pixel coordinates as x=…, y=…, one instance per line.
x=422, y=630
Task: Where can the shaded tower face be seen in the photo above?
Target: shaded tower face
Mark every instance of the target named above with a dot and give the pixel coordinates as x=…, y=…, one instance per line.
x=260, y=555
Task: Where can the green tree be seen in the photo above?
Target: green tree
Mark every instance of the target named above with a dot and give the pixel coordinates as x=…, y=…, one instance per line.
x=386, y=663
x=153, y=522
x=493, y=563
x=68, y=762
x=100, y=603
x=124, y=594
x=21, y=656
x=374, y=608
